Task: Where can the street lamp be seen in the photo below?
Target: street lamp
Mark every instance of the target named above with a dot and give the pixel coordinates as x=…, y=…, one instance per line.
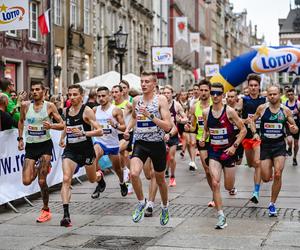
x=120, y=46
x=57, y=69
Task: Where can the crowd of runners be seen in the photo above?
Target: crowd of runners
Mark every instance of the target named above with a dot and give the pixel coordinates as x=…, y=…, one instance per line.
x=141, y=133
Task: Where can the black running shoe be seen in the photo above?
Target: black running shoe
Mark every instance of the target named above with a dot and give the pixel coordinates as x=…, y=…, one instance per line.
x=148, y=212
x=295, y=163
x=124, y=189
x=102, y=185
x=65, y=222
x=289, y=151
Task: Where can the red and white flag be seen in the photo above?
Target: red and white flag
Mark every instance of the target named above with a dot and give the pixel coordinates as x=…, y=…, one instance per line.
x=181, y=29
x=44, y=22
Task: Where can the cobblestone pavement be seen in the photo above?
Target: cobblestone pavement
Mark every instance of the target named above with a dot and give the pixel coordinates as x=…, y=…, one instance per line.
x=105, y=223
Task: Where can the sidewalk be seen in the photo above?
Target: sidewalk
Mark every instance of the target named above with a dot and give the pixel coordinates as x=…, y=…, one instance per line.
x=106, y=223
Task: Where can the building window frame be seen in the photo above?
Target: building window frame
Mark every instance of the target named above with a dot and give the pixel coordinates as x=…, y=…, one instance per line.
x=33, y=21
x=73, y=13
x=57, y=13
x=12, y=33
x=87, y=17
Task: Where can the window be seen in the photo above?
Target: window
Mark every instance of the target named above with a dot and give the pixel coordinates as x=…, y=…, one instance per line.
x=87, y=9
x=33, y=29
x=73, y=13
x=12, y=33
x=57, y=12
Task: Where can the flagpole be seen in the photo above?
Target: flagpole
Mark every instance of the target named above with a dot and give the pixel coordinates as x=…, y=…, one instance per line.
x=50, y=48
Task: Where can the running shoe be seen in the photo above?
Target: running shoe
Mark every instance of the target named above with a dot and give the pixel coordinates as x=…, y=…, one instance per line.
x=124, y=189
x=221, y=224
x=66, y=222
x=129, y=187
x=272, y=211
x=182, y=154
x=172, y=182
x=211, y=204
x=233, y=191
x=167, y=174
x=192, y=166
x=295, y=163
x=139, y=212
x=164, y=216
x=254, y=198
x=44, y=216
x=149, y=211
x=99, y=188
x=289, y=151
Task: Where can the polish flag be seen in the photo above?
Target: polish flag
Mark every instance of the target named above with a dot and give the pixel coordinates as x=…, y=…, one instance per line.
x=44, y=22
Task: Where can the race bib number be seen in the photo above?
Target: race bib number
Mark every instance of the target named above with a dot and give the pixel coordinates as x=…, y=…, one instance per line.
x=34, y=130
x=273, y=130
x=200, y=122
x=107, y=129
x=73, y=138
x=218, y=136
x=145, y=125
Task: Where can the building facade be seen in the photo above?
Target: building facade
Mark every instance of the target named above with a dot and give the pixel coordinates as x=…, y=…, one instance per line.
x=25, y=53
x=73, y=36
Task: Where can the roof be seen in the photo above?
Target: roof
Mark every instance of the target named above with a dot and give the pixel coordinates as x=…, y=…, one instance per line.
x=291, y=24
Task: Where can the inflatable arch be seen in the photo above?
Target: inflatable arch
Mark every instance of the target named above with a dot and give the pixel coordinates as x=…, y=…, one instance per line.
x=261, y=59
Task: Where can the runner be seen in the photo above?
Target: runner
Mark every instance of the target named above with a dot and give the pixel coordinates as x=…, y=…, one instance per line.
x=151, y=118
x=293, y=104
x=182, y=99
x=197, y=122
x=274, y=117
x=111, y=120
x=79, y=150
x=218, y=122
x=232, y=101
x=36, y=116
x=171, y=138
x=251, y=146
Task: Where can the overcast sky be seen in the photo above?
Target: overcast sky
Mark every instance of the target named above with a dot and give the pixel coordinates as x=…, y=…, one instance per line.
x=265, y=14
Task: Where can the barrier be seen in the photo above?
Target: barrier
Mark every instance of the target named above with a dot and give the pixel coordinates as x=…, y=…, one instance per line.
x=11, y=162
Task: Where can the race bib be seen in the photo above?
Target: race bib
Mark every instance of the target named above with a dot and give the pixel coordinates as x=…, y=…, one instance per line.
x=257, y=123
x=218, y=136
x=107, y=129
x=34, y=130
x=200, y=122
x=72, y=138
x=273, y=130
x=145, y=125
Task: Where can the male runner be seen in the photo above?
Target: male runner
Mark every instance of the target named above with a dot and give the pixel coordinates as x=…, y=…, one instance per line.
x=36, y=115
x=293, y=104
x=274, y=117
x=150, y=119
x=218, y=122
x=251, y=146
x=198, y=122
x=111, y=121
x=232, y=101
x=79, y=150
x=171, y=138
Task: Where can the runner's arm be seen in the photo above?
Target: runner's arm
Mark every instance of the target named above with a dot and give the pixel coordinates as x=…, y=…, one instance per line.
x=23, y=110
x=290, y=121
x=165, y=121
x=132, y=120
x=191, y=125
x=89, y=115
x=205, y=130
x=60, y=123
x=240, y=125
x=183, y=117
x=118, y=115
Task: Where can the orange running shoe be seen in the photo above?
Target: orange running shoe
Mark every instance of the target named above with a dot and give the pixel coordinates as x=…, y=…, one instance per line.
x=44, y=216
x=172, y=182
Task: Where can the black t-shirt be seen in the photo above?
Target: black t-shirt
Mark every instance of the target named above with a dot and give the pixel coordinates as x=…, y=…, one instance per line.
x=7, y=122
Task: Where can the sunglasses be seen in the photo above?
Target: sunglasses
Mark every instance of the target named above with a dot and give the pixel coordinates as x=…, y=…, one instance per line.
x=215, y=92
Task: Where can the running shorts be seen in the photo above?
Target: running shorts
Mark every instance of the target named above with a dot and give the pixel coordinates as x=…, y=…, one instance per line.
x=34, y=151
x=272, y=150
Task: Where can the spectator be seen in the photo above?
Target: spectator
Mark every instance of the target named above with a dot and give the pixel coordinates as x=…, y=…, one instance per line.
x=7, y=87
x=6, y=121
x=58, y=100
x=14, y=96
x=92, y=101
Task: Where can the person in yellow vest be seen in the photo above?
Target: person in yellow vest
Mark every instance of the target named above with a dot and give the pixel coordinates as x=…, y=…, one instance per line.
x=197, y=119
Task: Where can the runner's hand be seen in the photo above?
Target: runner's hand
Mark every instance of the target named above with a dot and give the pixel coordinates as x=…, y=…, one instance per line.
x=187, y=127
x=47, y=125
x=167, y=137
x=62, y=143
x=292, y=128
x=201, y=143
x=126, y=135
x=21, y=145
x=230, y=151
x=144, y=111
x=256, y=136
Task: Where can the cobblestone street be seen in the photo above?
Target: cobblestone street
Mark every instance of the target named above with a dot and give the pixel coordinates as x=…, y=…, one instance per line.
x=105, y=223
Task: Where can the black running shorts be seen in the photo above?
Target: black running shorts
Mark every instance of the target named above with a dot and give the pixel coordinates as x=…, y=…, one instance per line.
x=83, y=158
x=34, y=151
x=272, y=150
x=156, y=151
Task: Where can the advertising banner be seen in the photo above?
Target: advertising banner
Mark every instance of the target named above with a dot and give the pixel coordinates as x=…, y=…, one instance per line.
x=162, y=56
x=14, y=15
x=195, y=42
x=11, y=162
x=211, y=70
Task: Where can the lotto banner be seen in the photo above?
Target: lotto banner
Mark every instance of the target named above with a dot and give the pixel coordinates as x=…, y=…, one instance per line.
x=11, y=162
x=260, y=60
x=14, y=15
